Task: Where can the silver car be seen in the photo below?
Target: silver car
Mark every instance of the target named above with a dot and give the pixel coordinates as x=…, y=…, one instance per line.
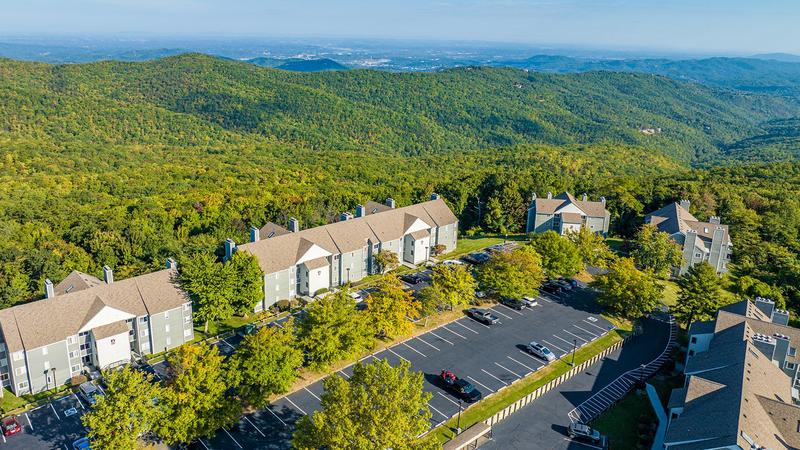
x=541, y=351
x=530, y=302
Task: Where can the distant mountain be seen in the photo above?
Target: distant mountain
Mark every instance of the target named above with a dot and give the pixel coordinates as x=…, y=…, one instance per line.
x=311, y=65
x=784, y=57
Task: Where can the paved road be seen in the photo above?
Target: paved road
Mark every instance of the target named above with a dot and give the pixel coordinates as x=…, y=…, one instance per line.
x=542, y=424
x=490, y=357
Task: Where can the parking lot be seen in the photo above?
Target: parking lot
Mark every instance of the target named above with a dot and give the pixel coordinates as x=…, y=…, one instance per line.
x=55, y=425
x=490, y=357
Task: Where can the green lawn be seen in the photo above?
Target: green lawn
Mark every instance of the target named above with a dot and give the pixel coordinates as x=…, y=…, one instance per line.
x=621, y=423
x=670, y=293
x=10, y=402
x=615, y=244
x=470, y=244
x=495, y=403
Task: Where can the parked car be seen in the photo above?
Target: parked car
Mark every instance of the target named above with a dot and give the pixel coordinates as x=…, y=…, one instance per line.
x=11, y=426
x=476, y=258
x=453, y=262
x=411, y=278
x=81, y=444
x=460, y=387
x=361, y=306
x=356, y=295
x=480, y=294
x=248, y=329
x=572, y=281
x=552, y=288
x=89, y=392
x=530, y=302
x=537, y=349
x=482, y=315
x=513, y=303
x=562, y=284
x=582, y=432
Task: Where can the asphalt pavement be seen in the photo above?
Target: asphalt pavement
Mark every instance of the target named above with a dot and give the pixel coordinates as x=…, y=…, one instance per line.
x=543, y=423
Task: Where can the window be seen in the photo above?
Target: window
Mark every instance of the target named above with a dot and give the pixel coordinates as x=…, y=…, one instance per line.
x=4, y=377
x=187, y=307
x=3, y=362
x=187, y=332
x=21, y=371
x=44, y=351
x=166, y=328
x=187, y=319
x=73, y=354
x=789, y=366
x=23, y=385
x=72, y=340
x=18, y=356
x=168, y=341
x=144, y=332
x=694, y=340
x=74, y=369
x=792, y=351
x=113, y=341
x=277, y=288
x=691, y=352
x=166, y=315
x=47, y=365
x=335, y=257
x=143, y=319
x=145, y=346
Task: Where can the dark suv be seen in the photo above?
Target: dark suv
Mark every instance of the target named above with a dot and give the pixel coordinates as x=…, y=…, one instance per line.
x=513, y=303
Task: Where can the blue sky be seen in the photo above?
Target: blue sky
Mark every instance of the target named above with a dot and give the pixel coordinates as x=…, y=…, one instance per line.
x=724, y=26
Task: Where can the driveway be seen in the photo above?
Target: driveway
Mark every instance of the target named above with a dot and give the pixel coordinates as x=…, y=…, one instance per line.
x=543, y=423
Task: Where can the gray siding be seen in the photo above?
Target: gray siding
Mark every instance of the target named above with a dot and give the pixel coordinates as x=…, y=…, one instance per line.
x=166, y=330
x=41, y=362
x=279, y=286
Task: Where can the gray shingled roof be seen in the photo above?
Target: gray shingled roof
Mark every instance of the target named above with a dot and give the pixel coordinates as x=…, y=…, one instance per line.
x=42, y=322
x=270, y=230
x=673, y=218
x=283, y=252
x=550, y=206
x=76, y=281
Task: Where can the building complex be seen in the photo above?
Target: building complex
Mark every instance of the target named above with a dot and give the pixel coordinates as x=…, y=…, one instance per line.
x=700, y=241
x=85, y=324
x=740, y=390
x=565, y=214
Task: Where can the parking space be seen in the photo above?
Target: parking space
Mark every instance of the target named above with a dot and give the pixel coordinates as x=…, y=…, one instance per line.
x=489, y=357
x=55, y=425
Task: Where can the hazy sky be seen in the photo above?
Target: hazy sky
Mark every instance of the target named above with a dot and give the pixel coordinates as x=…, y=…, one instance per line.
x=737, y=26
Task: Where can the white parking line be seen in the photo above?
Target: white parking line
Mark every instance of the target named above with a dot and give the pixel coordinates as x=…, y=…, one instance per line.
x=523, y=365
x=79, y=400
x=431, y=332
x=395, y=354
x=254, y=426
x=29, y=421
x=545, y=299
x=498, y=379
x=568, y=342
x=234, y=440
x=596, y=326
x=344, y=375
x=583, y=443
x=204, y=444
x=298, y=408
x=481, y=384
x=507, y=369
x=504, y=315
x=459, y=335
x=427, y=343
x=313, y=394
x=276, y=416
x=553, y=345
x=573, y=334
x=447, y=398
x=4, y=437
x=228, y=344
x=584, y=330
x=531, y=357
x=54, y=411
x=414, y=350
x=442, y=414
x=468, y=328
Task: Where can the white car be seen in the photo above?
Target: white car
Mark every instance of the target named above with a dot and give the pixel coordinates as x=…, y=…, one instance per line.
x=453, y=262
x=530, y=302
x=541, y=351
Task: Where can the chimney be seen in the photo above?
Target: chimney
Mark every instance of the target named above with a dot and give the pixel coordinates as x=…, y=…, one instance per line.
x=49, y=291
x=390, y=203
x=585, y=197
x=360, y=211
x=255, y=234
x=108, y=275
x=603, y=200
x=294, y=225
x=780, y=317
x=549, y=195
x=230, y=247
x=685, y=204
x=766, y=306
x=715, y=220
x=171, y=264
x=345, y=216
x=434, y=196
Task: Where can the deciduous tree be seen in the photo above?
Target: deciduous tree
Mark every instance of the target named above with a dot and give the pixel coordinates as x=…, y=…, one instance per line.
x=560, y=256
x=451, y=287
x=267, y=362
x=699, y=294
x=130, y=408
x=247, y=282
x=210, y=286
x=592, y=247
x=378, y=407
x=513, y=273
x=332, y=329
x=390, y=307
x=654, y=250
x=628, y=291
x=387, y=260
x=196, y=397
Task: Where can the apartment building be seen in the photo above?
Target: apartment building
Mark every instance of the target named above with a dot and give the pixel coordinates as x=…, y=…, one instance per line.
x=302, y=262
x=85, y=324
x=565, y=214
x=700, y=241
x=741, y=382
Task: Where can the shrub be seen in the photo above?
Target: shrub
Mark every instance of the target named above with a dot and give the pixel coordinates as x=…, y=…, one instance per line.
x=320, y=292
x=283, y=305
